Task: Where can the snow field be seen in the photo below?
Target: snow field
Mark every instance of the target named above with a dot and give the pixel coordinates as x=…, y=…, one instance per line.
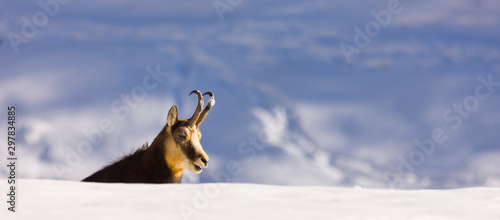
x=46, y=199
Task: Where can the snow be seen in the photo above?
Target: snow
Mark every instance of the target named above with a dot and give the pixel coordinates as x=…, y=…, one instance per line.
x=49, y=199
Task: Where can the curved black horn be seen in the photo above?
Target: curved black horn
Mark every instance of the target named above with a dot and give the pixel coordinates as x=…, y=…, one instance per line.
x=211, y=103
x=197, y=112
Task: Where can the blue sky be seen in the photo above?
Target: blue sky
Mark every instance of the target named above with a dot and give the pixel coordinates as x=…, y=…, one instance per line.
x=280, y=77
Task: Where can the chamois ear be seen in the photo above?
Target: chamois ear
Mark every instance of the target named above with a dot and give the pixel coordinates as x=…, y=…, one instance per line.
x=172, y=116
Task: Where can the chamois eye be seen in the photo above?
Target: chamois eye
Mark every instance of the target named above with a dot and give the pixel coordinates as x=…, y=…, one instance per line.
x=182, y=136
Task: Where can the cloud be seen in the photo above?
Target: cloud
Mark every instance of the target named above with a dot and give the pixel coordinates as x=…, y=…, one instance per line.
x=481, y=169
x=332, y=125
x=296, y=8
x=449, y=12
x=31, y=90
x=51, y=137
x=286, y=171
x=273, y=63
x=323, y=146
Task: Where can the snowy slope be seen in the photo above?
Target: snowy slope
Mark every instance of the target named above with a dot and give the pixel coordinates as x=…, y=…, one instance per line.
x=47, y=199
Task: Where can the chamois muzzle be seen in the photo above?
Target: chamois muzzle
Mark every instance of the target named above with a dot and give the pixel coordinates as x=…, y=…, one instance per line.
x=194, y=150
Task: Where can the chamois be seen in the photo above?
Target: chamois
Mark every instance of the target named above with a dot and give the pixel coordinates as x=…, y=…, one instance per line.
x=176, y=148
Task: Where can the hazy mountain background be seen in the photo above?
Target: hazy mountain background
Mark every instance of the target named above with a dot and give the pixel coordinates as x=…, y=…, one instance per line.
x=291, y=108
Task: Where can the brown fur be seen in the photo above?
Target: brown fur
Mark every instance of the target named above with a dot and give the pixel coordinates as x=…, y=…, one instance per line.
x=143, y=166
x=176, y=148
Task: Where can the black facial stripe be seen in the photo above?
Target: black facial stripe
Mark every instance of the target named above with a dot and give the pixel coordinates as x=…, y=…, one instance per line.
x=188, y=150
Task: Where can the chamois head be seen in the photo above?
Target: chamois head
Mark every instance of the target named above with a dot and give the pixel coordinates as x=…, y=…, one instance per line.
x=183, y=148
